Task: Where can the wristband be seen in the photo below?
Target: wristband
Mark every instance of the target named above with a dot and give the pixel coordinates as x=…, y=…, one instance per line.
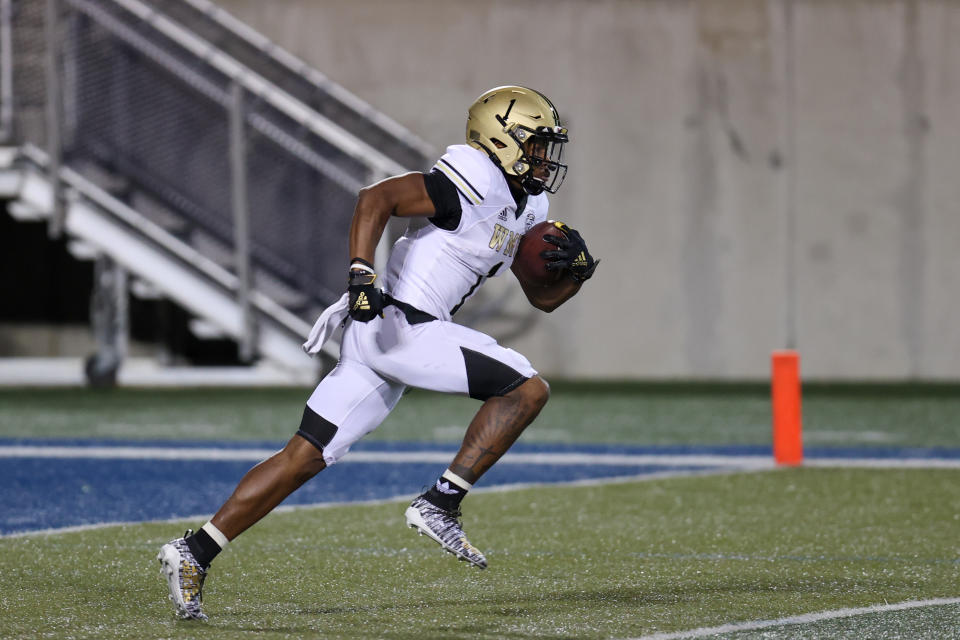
x=361, y=265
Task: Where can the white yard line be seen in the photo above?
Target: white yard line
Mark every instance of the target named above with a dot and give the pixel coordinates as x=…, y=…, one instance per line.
x=430, y=457
x=805, y=618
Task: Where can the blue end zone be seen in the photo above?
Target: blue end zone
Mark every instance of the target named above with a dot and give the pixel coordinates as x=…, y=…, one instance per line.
x=44, y=493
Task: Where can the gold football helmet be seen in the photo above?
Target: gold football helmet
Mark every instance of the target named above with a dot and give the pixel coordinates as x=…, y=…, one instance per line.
x=520, y=130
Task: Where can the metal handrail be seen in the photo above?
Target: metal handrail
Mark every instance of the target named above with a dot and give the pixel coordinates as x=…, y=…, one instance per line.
x=6, y=69
x=379, y=164
x=280, y=55
x=217, y=95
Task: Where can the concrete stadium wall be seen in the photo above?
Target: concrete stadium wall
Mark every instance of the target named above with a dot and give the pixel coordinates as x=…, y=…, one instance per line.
x=754, y=173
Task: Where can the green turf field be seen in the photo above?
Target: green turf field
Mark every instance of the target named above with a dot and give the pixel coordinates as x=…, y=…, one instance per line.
x=621, y=560
x=655, y=414
x=613, y=561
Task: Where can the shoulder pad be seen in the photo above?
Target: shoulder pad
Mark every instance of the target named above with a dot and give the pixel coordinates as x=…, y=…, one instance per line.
x=469, y=170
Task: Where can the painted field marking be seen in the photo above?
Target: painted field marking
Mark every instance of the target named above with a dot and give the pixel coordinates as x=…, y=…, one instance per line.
x=396, y=457
x=401, y=499
x=135, y=453
x=805, y=618
x=439, y=457
x=884, y=463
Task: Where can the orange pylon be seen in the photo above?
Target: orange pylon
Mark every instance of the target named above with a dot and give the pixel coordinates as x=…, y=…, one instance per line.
x=785, y=391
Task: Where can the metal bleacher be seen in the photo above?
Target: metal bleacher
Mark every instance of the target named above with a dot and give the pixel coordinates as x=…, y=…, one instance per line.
x=193, y=157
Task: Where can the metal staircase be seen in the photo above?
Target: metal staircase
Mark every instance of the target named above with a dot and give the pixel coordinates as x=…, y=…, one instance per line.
x=196, y=157
x=298, y=79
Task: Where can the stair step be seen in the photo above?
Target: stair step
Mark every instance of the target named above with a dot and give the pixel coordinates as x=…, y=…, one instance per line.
x=160, y=215
x=212, y=249
x=281, y=293
x=107, y=180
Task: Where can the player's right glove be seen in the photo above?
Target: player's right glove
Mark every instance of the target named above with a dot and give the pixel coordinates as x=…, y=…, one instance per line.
x=366, y=300
x=571, y=254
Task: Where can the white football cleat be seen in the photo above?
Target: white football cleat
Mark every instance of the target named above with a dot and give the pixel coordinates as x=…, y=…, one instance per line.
x=444, y=527
x=184, y=577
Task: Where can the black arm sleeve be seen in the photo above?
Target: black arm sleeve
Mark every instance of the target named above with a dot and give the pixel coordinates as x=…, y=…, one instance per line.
x=445, y=199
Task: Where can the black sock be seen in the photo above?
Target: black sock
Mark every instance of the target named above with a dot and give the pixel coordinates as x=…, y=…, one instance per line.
x=203, y=547
x=445, y=494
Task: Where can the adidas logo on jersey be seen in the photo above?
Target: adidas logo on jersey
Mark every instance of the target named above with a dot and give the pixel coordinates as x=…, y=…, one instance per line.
x=362, y=302
x=502, y=215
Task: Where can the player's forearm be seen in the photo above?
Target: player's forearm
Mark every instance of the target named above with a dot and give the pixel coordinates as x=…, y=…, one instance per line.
x=549, y=298
x=369, y=220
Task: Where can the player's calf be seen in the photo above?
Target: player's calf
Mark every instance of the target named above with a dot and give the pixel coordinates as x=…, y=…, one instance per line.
x=497, y=425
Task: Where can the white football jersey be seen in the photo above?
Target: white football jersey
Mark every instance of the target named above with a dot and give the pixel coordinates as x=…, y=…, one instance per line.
x=437, y=270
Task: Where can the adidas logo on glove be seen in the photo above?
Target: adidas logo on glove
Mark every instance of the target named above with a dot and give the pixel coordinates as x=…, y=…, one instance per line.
x=362, y=302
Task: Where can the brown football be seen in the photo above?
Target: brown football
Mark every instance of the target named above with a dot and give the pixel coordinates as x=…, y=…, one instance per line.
x=528, y=263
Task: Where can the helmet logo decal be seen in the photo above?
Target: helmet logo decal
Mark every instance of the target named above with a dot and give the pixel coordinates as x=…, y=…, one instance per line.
x=503, y=119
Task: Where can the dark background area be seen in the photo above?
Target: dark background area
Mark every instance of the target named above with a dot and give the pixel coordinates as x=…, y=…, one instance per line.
x=42, y=283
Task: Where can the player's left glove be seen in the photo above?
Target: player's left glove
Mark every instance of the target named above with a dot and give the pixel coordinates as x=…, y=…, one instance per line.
x=571, y=254
x=366, y=300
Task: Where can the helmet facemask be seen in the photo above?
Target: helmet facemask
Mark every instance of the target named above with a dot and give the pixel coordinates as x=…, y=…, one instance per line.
x=539, y=166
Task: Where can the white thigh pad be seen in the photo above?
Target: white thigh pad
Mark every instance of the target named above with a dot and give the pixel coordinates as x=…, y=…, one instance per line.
x=355, y=400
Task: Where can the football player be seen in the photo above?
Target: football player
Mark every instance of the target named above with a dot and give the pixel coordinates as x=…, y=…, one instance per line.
x=466, y=217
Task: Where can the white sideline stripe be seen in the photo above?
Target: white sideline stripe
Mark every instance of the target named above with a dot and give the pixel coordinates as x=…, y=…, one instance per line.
x=560, y=459
x=135, y=453
x=256, y=455
x=805, y=618
x=885, y=463
x=503, y=488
